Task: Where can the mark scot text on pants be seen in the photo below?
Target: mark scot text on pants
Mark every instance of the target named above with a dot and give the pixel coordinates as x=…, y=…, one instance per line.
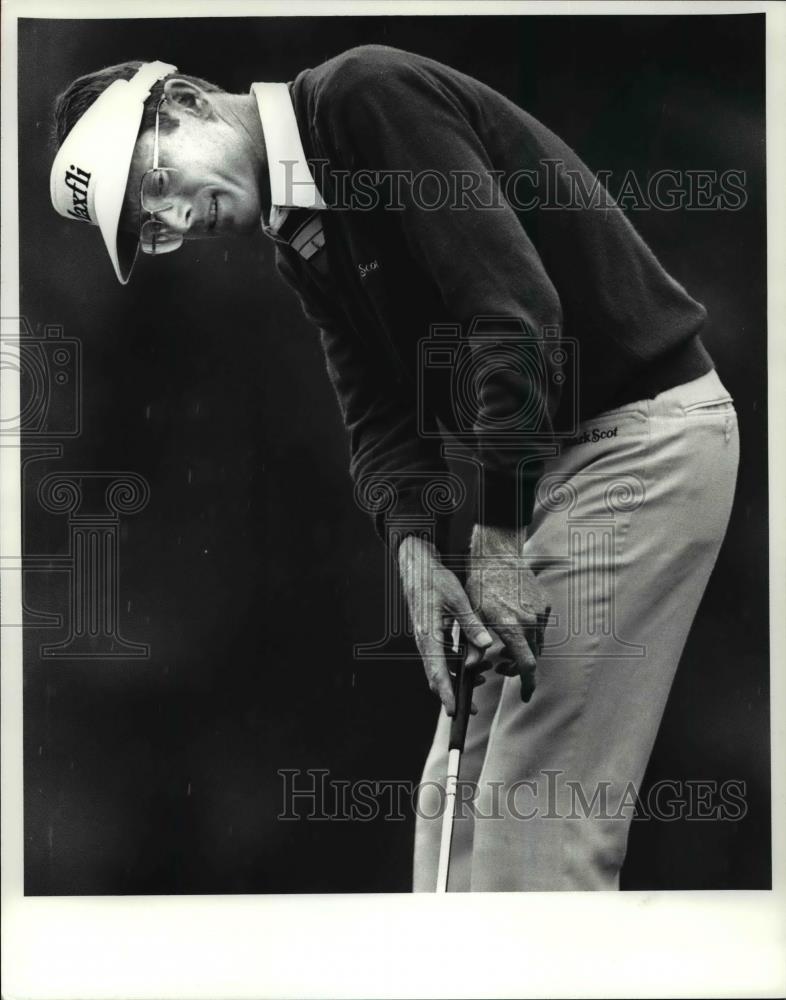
x=593, y=435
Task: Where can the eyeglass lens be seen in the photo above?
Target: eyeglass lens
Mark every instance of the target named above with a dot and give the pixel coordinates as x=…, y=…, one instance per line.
x=158, y=185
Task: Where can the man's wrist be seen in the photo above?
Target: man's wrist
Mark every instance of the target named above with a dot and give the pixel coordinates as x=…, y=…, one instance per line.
x=414, y=545
x=491, y=538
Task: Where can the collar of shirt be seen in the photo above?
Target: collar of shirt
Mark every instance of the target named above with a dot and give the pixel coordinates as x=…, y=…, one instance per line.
x=291, y=181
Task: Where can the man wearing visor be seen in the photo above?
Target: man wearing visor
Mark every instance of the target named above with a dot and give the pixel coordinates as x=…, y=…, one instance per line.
x=456, y=217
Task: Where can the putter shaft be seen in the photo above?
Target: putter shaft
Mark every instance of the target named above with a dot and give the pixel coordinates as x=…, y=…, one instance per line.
x=458, y=735
x=454, y=761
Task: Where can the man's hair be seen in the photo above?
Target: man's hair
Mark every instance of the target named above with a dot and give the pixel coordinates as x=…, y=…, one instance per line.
x=80, y=94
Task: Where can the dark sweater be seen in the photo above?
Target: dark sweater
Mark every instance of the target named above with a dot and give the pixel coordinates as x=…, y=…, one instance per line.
x=543, y=275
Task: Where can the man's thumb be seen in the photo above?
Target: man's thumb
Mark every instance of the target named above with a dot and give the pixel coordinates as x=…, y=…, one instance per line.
x=473, y=628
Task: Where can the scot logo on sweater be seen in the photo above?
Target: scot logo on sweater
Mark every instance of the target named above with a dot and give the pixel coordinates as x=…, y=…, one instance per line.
x=365, y=269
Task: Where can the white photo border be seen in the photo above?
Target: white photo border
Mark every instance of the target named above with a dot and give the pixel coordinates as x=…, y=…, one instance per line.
x=642, y=944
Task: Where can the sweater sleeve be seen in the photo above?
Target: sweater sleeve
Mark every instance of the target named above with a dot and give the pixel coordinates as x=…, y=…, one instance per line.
x=391, y=114
x=401, y=479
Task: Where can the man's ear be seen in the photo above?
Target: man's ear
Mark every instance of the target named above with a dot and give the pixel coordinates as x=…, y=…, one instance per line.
x=188, y=98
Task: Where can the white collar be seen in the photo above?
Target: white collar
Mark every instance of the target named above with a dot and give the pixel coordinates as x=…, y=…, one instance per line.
x=291, y=181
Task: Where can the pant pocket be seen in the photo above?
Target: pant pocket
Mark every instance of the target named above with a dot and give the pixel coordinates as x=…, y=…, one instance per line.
x=722, y=404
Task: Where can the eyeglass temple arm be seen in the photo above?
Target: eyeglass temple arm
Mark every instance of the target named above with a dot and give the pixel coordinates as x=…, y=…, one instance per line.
x=155, y=140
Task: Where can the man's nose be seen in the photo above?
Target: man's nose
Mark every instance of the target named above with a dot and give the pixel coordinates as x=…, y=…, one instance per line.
x=178, y=216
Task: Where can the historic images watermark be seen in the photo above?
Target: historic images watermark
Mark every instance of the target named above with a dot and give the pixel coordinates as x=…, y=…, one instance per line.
x=92, y=503
x=550, y=185
x=501, y=357
x=310, y=794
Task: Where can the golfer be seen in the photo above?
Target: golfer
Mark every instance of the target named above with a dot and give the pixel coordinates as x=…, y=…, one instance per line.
x=474, y=282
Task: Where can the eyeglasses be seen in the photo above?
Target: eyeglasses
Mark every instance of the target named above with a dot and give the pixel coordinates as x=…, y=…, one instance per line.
x=159, y=184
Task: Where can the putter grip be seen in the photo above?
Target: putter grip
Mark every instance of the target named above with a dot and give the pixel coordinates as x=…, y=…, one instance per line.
x=463, y=692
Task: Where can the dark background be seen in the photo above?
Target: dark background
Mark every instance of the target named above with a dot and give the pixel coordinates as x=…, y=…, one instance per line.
x=252, y=574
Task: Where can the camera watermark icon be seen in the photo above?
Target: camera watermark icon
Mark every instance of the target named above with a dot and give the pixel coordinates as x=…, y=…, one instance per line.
x=42, y=369
x=499, y=357
x=49, y=367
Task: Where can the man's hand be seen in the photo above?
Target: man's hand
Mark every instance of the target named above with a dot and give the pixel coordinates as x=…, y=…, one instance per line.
x=436, y=599
x=510, y=600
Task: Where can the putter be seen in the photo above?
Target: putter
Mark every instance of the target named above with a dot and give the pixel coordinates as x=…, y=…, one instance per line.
x=458, y=732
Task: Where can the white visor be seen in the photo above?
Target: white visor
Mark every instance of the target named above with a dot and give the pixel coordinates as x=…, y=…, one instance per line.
x=90, y=172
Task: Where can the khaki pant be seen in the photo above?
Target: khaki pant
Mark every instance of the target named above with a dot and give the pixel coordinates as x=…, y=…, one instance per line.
x=626, y=530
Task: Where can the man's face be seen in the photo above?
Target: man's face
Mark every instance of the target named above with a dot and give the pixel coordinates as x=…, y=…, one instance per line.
x=218, y=190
